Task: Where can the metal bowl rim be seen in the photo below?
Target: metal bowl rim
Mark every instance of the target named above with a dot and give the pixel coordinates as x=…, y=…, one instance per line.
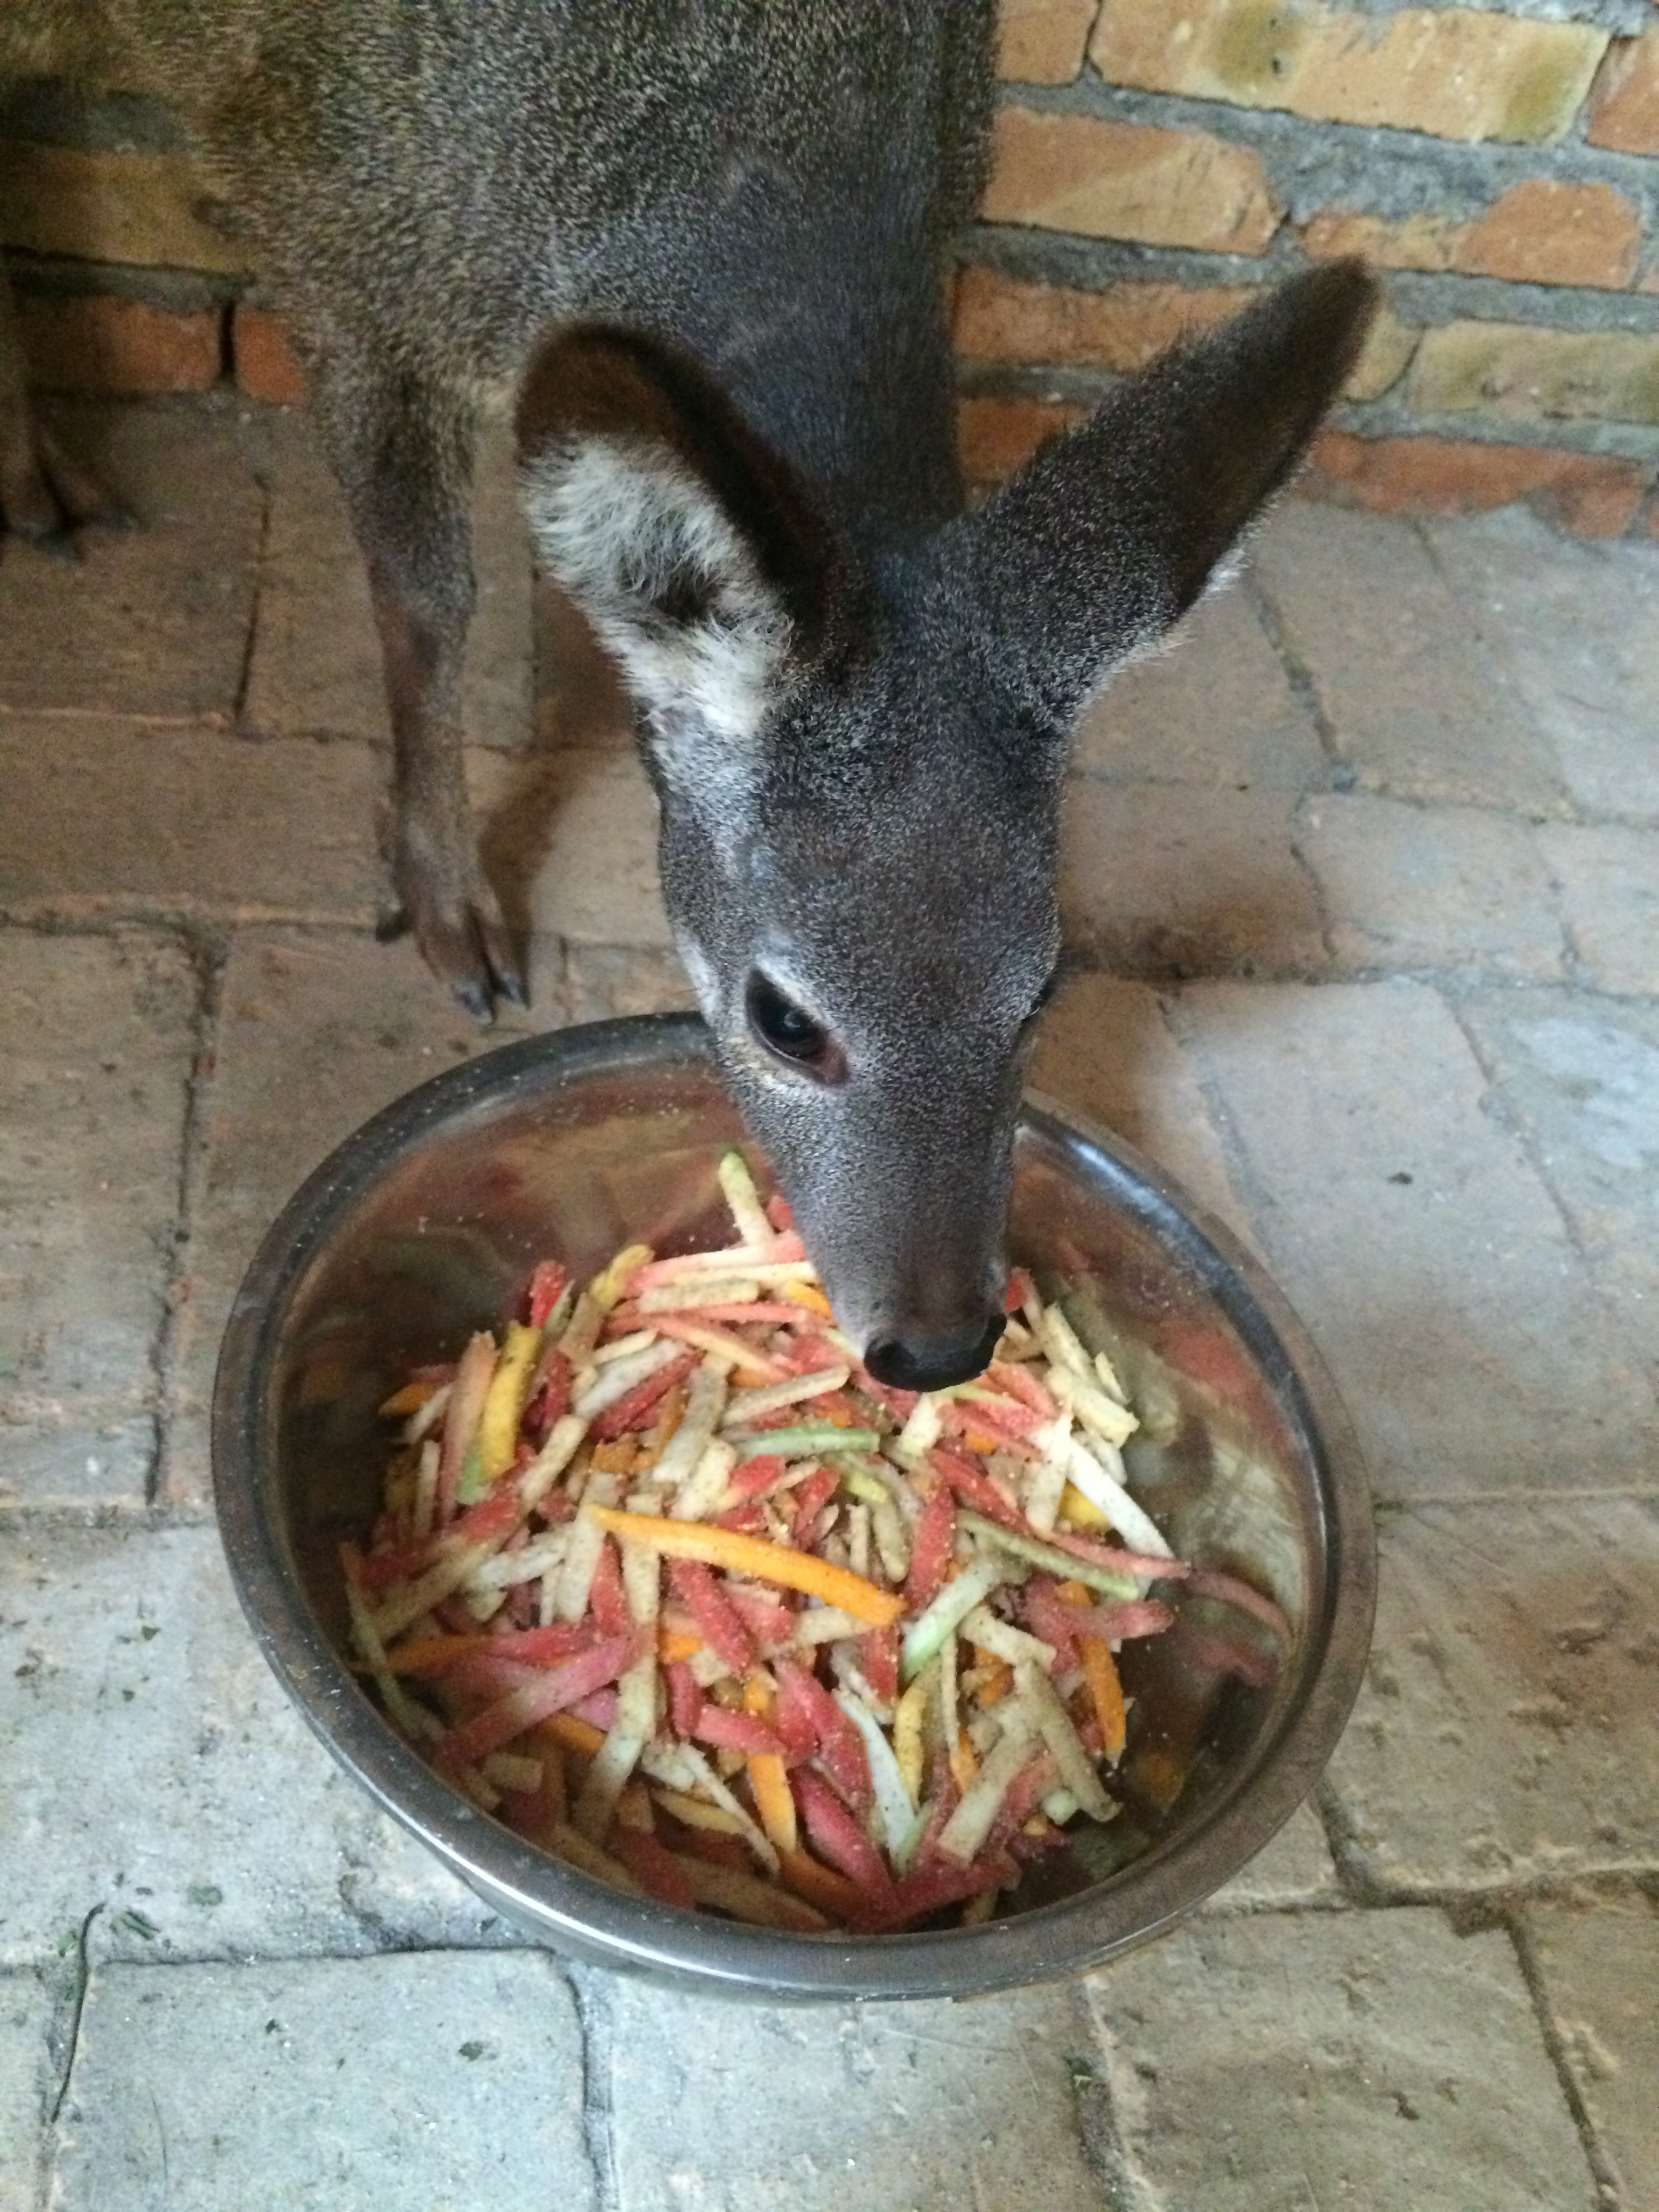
x=577, y=1913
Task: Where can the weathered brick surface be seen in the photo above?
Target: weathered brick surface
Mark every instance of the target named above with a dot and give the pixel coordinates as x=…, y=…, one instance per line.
x=1575, y=627
x=1591, y=494
x=126, y=1659
x=1375, y=2059
x=1417, y=703
x=994, y=435
x=95, y=1040
x=471, y=2065
x=107, y=816
x=604, y=981
x=315, y=1034
x=145, y=208
x=1408, y=1229
x=1507, y=1730
x=1517, y=372
x=580, y=700
x=1452, y=72
x=1600, y=1969
x=572, y=840
x=1128, y=180
x=1105, y=1049
x=316, y=667
x=120, y=349
x=1042, y=41
x=1545, y=232
x=844, y=2110
x=262, y=358
x=1413, y=241
x=152, y=621
x=25, y=2022
x=1624, y=104
x=1582, y=1080
x=1213, y=708
x=1440, y=887
x=1181, y=880
x=1609, y=880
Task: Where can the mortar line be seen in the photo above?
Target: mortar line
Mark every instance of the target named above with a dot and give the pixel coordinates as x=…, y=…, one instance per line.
x=1297, y=674
x=1608, y=2182
x=595, y=2002
x=71, y=2038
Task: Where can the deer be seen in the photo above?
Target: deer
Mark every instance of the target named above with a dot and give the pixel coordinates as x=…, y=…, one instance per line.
x=706, y=247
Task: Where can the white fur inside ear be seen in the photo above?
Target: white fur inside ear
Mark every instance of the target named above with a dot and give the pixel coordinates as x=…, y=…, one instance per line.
x=664, y=575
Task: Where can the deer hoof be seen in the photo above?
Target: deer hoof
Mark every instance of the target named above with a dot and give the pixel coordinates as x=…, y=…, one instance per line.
x=465, y=940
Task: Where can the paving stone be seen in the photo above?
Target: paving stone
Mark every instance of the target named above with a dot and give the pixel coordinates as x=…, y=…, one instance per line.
x=570, y=838
x=887, y=2109
x=1581, y=1077
x=25, y=2022
x=1371, y=2059
x=1576, y=624
x=107, y=816
x=1417, y=703
x=155, y=621
x=1599, y=1967
x=405, y=2083
x=315, y=668
x=1105, y=1049
x=95, y=1043
x=1431, y=887
x=1181, y=880
x=580, y=700
x=316, y=1033
x=1295, y=1869
x=1412, y=1235
x=1508, y=1730
x=1609, y=880
x=603, y=980
x=1214, y=707
x=154, y=1767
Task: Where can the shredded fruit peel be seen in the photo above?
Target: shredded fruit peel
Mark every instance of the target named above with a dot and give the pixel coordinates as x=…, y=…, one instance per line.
x=667, y=1581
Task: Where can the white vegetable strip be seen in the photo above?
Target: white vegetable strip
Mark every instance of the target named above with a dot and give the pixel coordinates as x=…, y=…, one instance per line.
x=1059, y=1340
x=754, y=1262
x=624, y=1347
x=741, y=1195
x=509, y=1569
x=950, y=1608
x=570, y=1844
x=711, y=1785
x=1091, y=1406
x=964, y=1834
x=426, y=1488
x=581, y=1331
x=615, y=1381
x=411, y=1717
x=703, y=1405
x=1045, y=1484
x=705, y=1290
x=827, y=1624
x=920, y=1432
x=426, y=1417
x=1106, y=1493
x=1109, y=1379
x=585, y=1540
x=510, y=1770
x=890, y=1539
x=701, y=1493
x=745, y=1405
x=741, y=1894
x=893, y=1800
x=1076, y=1769
x=984, y=1630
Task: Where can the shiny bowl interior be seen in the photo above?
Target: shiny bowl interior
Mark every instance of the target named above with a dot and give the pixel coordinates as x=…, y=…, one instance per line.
x=424, y=1227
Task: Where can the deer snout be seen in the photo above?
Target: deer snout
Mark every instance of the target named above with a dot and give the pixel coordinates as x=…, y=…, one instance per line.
x=919, y=1361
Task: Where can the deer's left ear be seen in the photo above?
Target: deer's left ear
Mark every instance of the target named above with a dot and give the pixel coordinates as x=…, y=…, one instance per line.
x=690, y=546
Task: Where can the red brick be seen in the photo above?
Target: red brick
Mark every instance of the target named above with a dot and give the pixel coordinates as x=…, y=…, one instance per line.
x=267, y=367
x=1592, y=495
x=125, y=347
x=994, y=435
x=1128, y=180
x=1042, y=41
x=1624, y=112
x=1000, y=319
x=1421, y=242
x=1544, y=232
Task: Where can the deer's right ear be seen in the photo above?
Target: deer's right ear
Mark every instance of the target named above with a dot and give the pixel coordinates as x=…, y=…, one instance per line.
x=692, y=548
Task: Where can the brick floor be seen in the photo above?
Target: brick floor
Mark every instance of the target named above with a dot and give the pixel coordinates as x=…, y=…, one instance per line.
x=1362, y=874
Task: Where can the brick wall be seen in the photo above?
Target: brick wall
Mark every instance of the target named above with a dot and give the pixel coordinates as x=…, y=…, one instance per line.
x=1154, y=159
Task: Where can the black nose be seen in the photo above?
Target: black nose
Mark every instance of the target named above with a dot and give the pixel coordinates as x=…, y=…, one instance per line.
x=933, y=1362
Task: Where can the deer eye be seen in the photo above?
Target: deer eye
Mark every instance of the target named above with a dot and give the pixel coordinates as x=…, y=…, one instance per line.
x=790, y=1031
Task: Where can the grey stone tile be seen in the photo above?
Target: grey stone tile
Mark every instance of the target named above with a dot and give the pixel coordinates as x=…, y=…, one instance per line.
x=1295, y=1869
x=1431, y=887
x=1105, y=1049
x=155, y=1767
x=1181, y=880
x=1370, y=2059
x=604, y=981
x=1598, y=1964
x=1508, y=1730
x=1581, y=1077
x=155, y=621
x=1418, y=704
x=315, y=668
x=25, y=2023
x=107, y=816
x=1576, y=624
x=1414, y=1239
x=316, y=1033
x=1609, y=880
x=1214, y=707
x=95, y=1042
x=570, y=840
x=403, y=2084
x=849, y=2110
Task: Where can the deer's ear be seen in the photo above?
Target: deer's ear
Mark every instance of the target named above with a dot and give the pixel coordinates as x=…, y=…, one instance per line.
x=1110, y=533
x=688, y=545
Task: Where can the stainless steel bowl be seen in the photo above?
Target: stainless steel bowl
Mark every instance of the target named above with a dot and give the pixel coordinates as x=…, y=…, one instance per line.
x=422, y=1227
